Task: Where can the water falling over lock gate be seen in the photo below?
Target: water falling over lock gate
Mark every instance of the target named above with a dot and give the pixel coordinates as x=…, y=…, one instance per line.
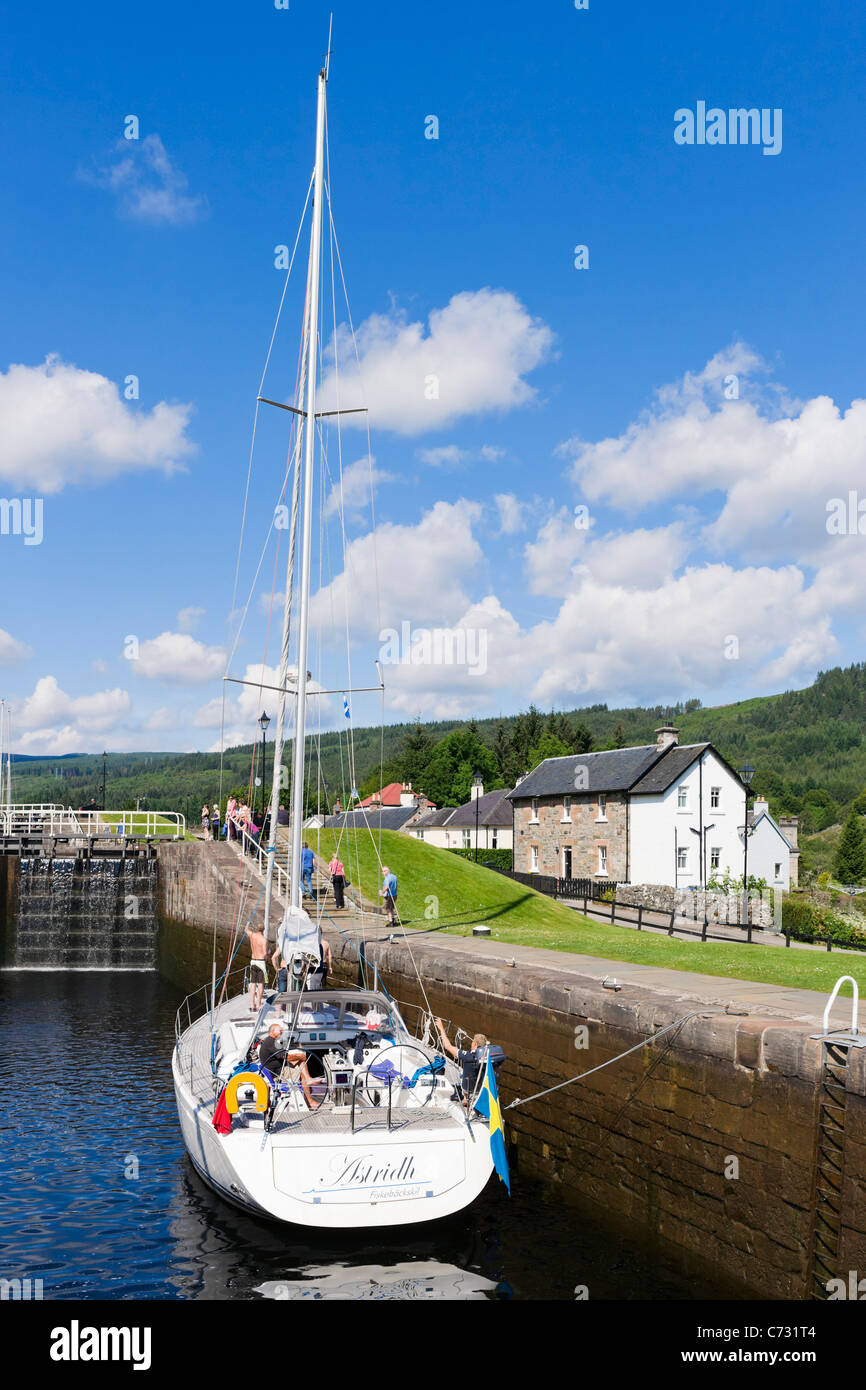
x=80, y=912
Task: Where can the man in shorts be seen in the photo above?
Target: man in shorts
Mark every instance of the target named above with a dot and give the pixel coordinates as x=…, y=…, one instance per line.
x=258, y=955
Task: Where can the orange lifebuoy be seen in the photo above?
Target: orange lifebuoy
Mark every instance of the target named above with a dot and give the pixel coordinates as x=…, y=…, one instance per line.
x=247, y=1078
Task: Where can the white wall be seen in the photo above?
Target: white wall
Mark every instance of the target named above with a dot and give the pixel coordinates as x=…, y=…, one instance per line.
x=443, y=837
x=767, y=848
x=656, y=820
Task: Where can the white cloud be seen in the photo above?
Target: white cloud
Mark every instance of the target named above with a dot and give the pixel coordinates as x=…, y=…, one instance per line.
x=12, y=652
x=244, y=704
x=179, y=659
x=550, y=558
x=188, y=619
x=472, y=357
x=161, y=719
x=54, y=722
x=62, y=425
x=358, y=479
x=99, y=666
x=407, y=573
x=446, y=456
x=511, y=513
x=146, y=184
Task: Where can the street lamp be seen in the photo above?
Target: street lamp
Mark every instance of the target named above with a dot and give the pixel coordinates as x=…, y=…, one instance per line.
x=477, y=786
x=746, y=774
x=264, y=721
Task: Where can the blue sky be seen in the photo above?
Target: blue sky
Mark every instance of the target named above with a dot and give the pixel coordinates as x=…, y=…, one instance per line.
x=706, y=566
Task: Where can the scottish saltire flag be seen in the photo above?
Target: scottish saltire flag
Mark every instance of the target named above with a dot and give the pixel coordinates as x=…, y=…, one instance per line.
x=346, y=706
x=488, y=1105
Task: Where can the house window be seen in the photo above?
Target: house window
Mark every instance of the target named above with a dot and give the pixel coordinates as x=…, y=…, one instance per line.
x=566, y=861
x=494, y=837
x=715, y=798
x=682, y=858
x=602, y=808
x=420, y=834
x=778, y=871
x=534, y=816
x=715, y=857
x=602, y=859
x=682, y=798
x=566, y=808
x=533, y=859
x=466, y=842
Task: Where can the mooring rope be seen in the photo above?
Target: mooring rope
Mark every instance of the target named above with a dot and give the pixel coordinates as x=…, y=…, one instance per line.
x=645, y=1042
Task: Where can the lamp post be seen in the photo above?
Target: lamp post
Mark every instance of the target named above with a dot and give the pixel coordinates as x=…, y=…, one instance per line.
x=746, y=774
x=104, y=761
x=264, y=721
x=477, y=784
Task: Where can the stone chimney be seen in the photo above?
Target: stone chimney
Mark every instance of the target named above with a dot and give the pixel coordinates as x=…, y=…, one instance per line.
x=423, y=803
x=788, y=826
x=759, y=806
x=475, y=792
x=667, y=737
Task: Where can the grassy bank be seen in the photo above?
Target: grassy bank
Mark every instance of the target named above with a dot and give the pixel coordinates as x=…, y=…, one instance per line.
x=441, y=892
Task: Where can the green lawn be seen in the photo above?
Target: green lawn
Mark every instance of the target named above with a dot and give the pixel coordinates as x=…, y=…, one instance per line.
x=138, y=823
x=443, y=892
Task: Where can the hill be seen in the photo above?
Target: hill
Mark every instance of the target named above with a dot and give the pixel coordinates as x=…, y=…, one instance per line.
x=807, y=746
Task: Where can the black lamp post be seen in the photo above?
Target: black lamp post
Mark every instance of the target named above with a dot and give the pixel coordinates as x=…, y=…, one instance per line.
x=104, y=761
x=746, y=774
x=264, y=721
x=477, y=785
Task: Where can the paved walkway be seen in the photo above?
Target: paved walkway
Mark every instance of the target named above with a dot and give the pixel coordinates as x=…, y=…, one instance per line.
x=779, y=1001
x=687, y=929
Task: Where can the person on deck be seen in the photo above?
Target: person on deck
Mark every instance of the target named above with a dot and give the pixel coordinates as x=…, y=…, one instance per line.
x=469, y=1061
x=205, y=822
x=338, y=880
x=272, y=1049
x=258, y=954
x=388, y=891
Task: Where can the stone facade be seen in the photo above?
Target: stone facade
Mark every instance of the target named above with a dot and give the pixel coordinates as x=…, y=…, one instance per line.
x=725, y=908
x=582, y=830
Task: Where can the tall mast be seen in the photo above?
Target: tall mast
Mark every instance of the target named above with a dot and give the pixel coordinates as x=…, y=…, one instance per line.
x=297, y=814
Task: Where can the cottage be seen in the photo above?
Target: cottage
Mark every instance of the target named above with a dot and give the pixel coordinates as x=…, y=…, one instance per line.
x=454, y=827
x=660, y=813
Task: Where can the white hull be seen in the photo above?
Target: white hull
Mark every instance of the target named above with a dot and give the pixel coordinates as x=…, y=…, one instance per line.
x=318, y=1173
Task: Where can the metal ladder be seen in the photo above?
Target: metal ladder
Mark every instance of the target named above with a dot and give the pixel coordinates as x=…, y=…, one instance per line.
x=829, y=1164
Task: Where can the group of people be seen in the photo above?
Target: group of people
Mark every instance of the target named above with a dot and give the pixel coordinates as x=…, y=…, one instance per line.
x=239, y=819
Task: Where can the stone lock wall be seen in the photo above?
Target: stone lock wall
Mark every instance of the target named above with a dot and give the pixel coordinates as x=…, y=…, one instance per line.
x=703, y=1144
x=584, y=833
x=719, y=907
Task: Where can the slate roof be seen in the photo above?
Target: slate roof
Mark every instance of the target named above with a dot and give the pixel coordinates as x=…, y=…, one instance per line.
x=494, y=808
x=616, y=769
x=669, y=768
x=388, y=818
x=431, y=818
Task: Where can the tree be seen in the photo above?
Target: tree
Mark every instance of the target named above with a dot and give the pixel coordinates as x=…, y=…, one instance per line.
x=548, y=746
x=850, y=863
x=414, y=755
x=582, y=739
x=447, y=778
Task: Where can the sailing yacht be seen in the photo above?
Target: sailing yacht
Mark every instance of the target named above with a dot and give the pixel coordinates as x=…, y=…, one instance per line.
x=323, y=1108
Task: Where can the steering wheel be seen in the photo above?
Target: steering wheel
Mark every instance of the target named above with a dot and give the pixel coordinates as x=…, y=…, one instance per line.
x=380, y=1084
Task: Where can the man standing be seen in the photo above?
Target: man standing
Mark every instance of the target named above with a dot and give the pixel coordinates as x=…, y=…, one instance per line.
x=307, y=861
x=258, y=953
x=469, y=1062
x=388, y=891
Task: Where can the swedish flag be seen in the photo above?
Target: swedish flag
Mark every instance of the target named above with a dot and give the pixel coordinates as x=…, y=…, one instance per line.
x=488, y=1105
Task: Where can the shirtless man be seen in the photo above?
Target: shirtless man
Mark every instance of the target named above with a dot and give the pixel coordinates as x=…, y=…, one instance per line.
x=258, y=952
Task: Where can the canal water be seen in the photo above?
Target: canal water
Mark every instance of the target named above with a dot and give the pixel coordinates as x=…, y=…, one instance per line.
x=99, y=1200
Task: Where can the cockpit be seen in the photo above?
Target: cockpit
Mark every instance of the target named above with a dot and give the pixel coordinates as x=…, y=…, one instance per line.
x=330, y=1050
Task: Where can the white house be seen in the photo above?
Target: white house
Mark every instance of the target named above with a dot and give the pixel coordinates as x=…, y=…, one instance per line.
x=454, y=827
x=660, y=813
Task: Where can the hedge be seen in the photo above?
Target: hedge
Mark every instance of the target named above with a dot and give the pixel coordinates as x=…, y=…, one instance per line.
x=807, y=921
x=496, y=858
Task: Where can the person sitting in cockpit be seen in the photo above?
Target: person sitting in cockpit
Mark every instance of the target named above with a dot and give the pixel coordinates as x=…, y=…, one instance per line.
x=272, y=1049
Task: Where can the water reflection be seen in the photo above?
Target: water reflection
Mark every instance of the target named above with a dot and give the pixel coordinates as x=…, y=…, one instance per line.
x=100, y=1200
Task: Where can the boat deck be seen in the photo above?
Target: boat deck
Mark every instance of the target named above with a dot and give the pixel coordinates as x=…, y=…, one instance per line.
x=195, y=1062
